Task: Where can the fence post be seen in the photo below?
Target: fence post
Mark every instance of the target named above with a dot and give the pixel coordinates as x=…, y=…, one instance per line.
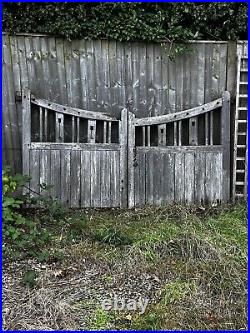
x=131, y=151
x=124, y=159
x=26, y=129
x=225, y=141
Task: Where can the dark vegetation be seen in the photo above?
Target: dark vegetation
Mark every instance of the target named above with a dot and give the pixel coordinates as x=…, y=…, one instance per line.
x=130, y=21
x=190, y=262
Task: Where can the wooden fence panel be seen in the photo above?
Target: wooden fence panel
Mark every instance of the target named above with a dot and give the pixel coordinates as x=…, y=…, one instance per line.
x=104, y=75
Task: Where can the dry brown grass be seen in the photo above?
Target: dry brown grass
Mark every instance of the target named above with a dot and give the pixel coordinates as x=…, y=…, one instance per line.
x=191, y=264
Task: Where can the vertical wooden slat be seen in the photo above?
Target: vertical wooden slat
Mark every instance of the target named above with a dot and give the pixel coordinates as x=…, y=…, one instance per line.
x=148, y=136
x=26, y=134
x=45, y=168
x=115, y=178
x=61, y=71
x=91, y=131
x=225, y=138
x=104, y=132
x=40, y=124
x=59, y=127
x=45, y=125
x=157, y=176
x=123, y=136
x=175, y=133
x=109, y=131
x=105, y=170
x=55, y=177
x=65, y=176
x=11, y=133
x=34, y=162
x=179, y=177
x=86, y=178
x=95, y=179
x=200, y=177
x=73, y=128
x=142, y=179
x=211, y=132
x=208, y=194
x=75, y=178
x=193, y=131
x=168, y=178
x=131, y=157
x=216, y=172
x=189, y=177
x=77, y=129
x=149, y=172
x=162, y=138
x=179, y=133
x=206, y=129
x=143, y=136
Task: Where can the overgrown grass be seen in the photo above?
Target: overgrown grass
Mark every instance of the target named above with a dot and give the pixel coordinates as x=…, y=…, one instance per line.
x=197, y=257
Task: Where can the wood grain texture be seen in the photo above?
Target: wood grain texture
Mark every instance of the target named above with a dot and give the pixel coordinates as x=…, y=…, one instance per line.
x=101, y=76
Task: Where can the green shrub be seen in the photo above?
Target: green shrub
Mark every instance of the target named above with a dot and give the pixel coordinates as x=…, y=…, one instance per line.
x=129, y=21
x=20, y=234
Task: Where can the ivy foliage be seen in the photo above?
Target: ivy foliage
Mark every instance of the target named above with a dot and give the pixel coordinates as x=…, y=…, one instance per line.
x=129, y=21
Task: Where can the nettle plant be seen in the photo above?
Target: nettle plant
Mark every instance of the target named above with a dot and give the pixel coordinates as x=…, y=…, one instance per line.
x=20, y=234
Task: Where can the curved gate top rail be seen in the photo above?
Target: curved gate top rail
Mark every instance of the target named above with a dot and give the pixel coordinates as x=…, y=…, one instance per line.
x=180, y=115
x=95, y=160
x=70, y=110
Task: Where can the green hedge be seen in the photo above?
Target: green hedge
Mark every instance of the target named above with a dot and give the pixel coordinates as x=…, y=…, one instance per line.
x=129, y=21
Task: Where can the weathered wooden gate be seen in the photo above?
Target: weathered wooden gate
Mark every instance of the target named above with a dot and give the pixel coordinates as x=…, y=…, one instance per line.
x=82, y=154
x=180, y=157
x=95, y=160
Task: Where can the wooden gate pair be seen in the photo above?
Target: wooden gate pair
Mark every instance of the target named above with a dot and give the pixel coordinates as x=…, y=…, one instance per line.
x=92, y=159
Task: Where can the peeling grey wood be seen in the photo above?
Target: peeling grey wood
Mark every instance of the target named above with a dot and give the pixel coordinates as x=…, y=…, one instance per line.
x=91, y=131
x=105, y=170
x=225, y=138
x=182, y=149
x=59, y=127
x=34, y=162
x=193, y=131
x=149, y=171
x=66, y=145
x=86, y=178
x=95, y=179
x=162, y=135
x=68, y=73
x=179, y=177
x=180, y=115
x=123, y=128
x=55, y=176
x=200, y=177
x=167, y=182
x=26, y=135
x=189, y=177
x=131, y=159
x=140, y=180
x=71, y=111
x=65, y=176
x=115, y=191
x=44, y=173
x=75, y=178
x=157, y=177
x=41, y=124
